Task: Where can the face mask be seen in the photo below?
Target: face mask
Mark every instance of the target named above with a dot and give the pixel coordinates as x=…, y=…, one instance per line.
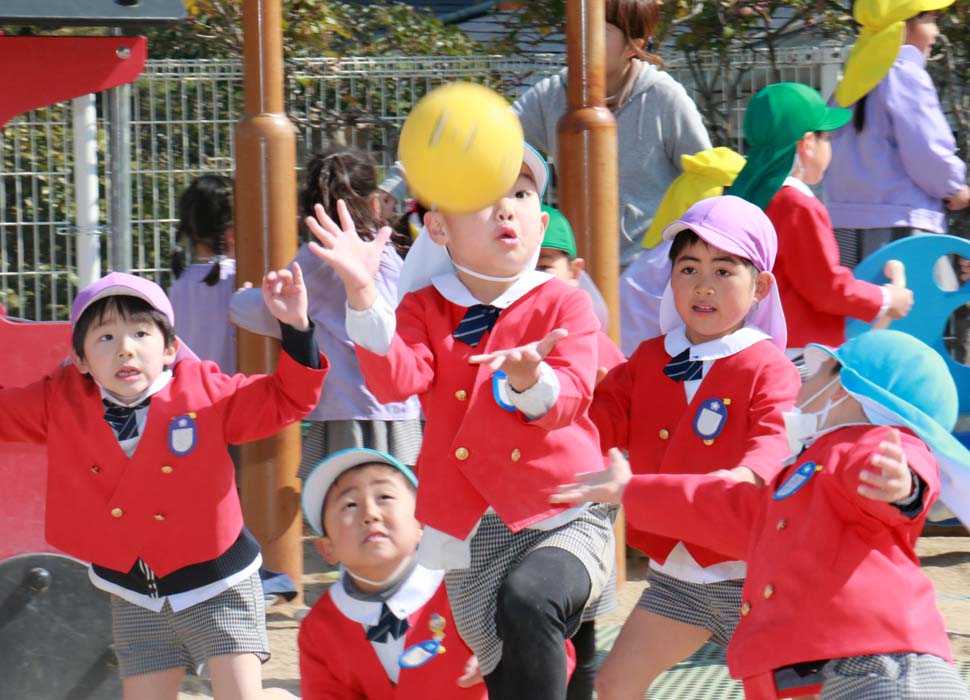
x=799, y=426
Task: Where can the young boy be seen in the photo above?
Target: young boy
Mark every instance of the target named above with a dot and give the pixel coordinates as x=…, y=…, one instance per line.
x=361, y=638
x=707, y=395
x=787, y=126
x=521, y=572
x=834, y=594
x=141, y=483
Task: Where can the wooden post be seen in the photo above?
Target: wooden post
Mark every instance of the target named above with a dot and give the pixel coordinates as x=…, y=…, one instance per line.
x=265, y=223
x=586, y=164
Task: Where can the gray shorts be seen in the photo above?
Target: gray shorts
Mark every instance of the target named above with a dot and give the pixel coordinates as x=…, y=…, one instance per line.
x=714, y=606
x=233, y=622
x=892, y=677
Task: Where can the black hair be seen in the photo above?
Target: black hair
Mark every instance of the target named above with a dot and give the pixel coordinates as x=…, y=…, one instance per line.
x=205, y=214
x=365, y=465
x=401, y=238
x=128, y=308
x=688, y=238
x=859, y=114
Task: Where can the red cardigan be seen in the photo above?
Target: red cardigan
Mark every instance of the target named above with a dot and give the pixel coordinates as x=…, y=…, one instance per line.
x=476, y=454
x=817, y=293
x=831, y=574
x=169, y=510
x=338, y=663
x=639, y=409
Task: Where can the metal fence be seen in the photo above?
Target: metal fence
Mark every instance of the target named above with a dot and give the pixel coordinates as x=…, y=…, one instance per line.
x=182, y=120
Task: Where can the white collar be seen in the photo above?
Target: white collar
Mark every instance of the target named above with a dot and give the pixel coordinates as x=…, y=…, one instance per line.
x=452, y=289
x=798, y=185
x=419, y=588
x=675, y=342
x=160, y=382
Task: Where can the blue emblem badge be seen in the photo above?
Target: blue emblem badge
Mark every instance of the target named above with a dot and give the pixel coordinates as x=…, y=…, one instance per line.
x=798, y=478
x=500, y=390
x=710, y=419
x=421, y=653
x=183, y=434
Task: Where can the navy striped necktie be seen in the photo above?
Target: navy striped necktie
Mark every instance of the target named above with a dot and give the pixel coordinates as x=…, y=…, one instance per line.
x=478, y=320
x=123, y=419
x=388, y=624
x=683, y=369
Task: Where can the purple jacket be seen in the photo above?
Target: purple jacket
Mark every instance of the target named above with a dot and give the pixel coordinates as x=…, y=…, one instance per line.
x=900, y=167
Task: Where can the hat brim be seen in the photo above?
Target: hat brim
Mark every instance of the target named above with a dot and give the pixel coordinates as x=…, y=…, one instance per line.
x=835, y=118
x=538, y=167
x=319, y=481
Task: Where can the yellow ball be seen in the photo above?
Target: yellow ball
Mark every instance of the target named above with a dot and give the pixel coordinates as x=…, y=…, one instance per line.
x=461, y=147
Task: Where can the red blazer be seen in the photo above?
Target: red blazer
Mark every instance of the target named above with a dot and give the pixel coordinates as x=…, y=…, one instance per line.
x=168, y=509
x=831, y=574
x=476, y=454
x=608, y=354
x=338, y=663
x=817, y=293
x=639, y=409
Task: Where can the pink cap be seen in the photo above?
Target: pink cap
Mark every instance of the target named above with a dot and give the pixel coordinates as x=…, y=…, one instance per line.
x=122, y=284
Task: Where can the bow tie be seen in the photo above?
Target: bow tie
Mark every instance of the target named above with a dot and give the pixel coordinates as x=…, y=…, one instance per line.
x=681, y=368
x=389, y=624
x=123, y=419
x=478, y=320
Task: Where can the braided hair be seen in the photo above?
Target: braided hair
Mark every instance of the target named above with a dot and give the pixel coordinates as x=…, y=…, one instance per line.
x=205, y=215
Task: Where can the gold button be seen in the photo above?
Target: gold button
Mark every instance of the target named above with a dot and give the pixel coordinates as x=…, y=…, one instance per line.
x=516, y=455
x=708, y=442
x=159, y=516
x=769, y=591
x=95, y=468
x=745, y=608
x=167, y=469
x=461, y=453
x=782, y=524
x=461, y=394
x=117, y=512
x=664, y=433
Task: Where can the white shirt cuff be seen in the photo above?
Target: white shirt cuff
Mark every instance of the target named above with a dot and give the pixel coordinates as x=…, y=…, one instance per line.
x=538, y=399
x=373, y=328
x=886, y=301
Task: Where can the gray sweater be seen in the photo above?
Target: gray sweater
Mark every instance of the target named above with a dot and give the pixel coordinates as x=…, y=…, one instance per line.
x=655, y=126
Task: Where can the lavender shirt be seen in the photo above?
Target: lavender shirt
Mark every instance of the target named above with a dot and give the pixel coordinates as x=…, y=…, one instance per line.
x=202, y=313
x=900, y=167
x=345, y=395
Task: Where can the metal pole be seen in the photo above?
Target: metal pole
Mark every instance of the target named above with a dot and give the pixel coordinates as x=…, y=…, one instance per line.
x=86, y=196
x=119, y=143
x=588, y=170
x=265, y=222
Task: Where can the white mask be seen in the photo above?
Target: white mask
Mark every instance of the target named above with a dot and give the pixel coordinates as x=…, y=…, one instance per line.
x=800, y=427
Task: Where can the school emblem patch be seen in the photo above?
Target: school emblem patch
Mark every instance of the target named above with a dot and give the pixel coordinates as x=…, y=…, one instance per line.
x=797, y=480
x=183, y=434
x=710, y=419
x=421, y=653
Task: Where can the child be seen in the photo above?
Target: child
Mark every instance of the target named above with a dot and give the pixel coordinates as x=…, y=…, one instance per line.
x=787, y=127
x=834, y=593
x=896, y=165
x=360, y=637
x=725, y=333
x=557, y=256
x=142, y=486
x=520, y=573
x=201, y=291
x=348, y=415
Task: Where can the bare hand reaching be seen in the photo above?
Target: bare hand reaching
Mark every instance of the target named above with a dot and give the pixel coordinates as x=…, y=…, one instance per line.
x=285, y=296
x=891, y=480
x=605, y=486
x=521, y=364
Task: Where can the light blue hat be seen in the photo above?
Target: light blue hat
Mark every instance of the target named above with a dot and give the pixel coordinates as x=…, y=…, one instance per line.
x=901, y=381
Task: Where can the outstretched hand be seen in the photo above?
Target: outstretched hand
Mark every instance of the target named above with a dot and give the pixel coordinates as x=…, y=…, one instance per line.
x=285, y=296
x=356, y=261
x=606, y=486
x=891, y=480
x=521, y=364
x=472, y=675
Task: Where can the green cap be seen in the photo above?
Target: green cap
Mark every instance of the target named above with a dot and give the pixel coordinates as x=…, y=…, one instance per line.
x=775, y=120
x=559, y=234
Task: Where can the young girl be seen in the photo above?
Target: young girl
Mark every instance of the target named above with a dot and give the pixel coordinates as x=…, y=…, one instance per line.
x=895, y=166
x=656, y=121
x=201, y=291
x=348, y=415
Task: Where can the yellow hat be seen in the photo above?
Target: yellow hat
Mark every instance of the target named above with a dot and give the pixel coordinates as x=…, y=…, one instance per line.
x=883, y=29
x=706, y=174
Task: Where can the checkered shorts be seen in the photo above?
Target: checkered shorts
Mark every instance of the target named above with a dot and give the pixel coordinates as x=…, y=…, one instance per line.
x=714, y=606
x=892, y=677
x=399, y=438
x=233, y=622
x=495, y=551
